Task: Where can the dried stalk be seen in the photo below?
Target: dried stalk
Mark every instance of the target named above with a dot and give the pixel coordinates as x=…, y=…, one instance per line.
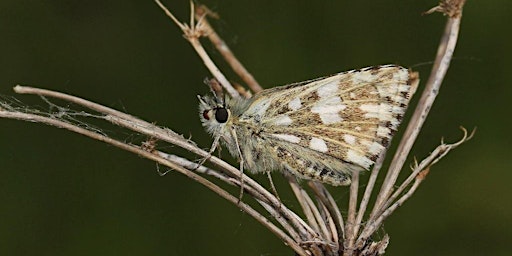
x=446, y=48
x=221, y=46
x=192, y=33
x=328, y=201
x=418, y=175
x=368, y=192
x=324, y=232
x=441, y=64
x=352, y=209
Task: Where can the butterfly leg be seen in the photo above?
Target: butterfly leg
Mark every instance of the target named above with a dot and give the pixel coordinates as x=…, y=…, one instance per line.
x=274, y=190
x=233, y=133
x=215, y=144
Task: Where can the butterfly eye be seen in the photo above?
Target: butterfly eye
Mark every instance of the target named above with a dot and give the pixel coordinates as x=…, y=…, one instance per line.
x=205, y=115
x=221, y=115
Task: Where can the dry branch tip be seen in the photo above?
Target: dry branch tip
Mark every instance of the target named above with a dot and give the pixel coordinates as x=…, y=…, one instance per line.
x=204, y=10
x=190, y=31
x=451, y=8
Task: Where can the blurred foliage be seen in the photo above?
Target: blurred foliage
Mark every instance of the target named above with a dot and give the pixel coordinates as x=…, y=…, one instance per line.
x=63, y=194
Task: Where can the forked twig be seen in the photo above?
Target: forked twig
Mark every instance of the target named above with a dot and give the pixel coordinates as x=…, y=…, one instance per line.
x=433, y=158
x=418, y=174
x=192, y=33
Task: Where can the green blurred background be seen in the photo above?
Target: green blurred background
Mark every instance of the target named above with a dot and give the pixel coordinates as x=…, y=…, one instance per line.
x=64, y=194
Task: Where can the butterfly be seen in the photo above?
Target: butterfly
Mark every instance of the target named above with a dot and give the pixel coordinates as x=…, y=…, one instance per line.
x=322, y=129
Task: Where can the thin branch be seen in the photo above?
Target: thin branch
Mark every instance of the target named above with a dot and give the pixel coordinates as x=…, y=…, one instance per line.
x=192, y=33
x=368, y=191
x=329, y=202
x=141, y=152
x=330, y=225
x=418, y=175
x=371, y=228
x=224, y=49
x=441, y=64
x=208, y=171
x=306, y=207
x=433, y=158
x=130, y=122
x=351, y=219
x=324, y=229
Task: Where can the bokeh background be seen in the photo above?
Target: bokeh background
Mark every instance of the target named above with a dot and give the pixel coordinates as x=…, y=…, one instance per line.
x=64, y=194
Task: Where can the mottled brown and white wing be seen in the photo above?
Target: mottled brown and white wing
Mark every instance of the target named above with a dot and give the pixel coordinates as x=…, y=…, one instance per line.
x=349, y=117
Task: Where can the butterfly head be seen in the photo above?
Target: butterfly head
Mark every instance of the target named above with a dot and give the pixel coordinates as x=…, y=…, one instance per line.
x=214, y=113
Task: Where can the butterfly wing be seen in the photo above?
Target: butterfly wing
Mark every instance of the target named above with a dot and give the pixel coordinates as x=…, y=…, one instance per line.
x=339, y=123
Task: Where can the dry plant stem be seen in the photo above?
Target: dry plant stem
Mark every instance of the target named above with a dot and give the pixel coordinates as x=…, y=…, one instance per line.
x=323, y=228
x=351, y=218
x=141, y=126
x=149, y=129
x=191, y=166
x=295, y=224
x=229, y=180
x=435, y=156
x=441, y=64
x=213, y=68
x=261, y=200
x=127, y=121
x=329, y=202
x=131, y=148
x=192, y=34
x=137, y=150
x=118, y=118
x=368, y=191
x=224, y=50
x=284, y=223
x=367, y=232
x=306, y=208
x=327, y=232
x=418, y=175
x=330, y=223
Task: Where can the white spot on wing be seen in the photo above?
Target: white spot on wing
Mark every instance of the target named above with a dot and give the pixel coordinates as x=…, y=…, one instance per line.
x=404, y=88
x=283, y=120
x=349, y=139
x=383, y=131
x=402, y=75
x=382, y=111
x=375, y=148
x=359, y=159
x=286, y=137
x=328, y=110
x=330, y=118
x=318, y=145
x=370, y=108
x=328, y=90
x=294, y=104
x=359, y=77
x=258, y=108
